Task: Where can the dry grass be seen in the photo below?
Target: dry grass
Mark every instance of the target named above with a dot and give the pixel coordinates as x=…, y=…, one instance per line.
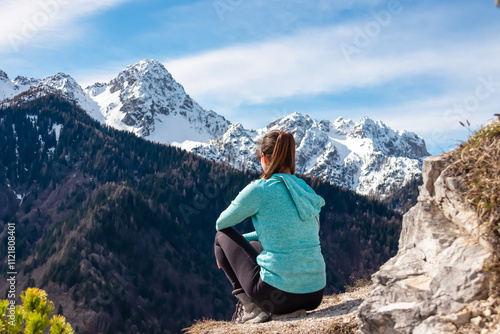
x=477, y=161
x=358, y=284
x=342, y=328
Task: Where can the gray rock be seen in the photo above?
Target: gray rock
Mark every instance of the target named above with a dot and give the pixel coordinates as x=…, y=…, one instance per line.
x=438, y=269
x=431, y=170
x=435, y=325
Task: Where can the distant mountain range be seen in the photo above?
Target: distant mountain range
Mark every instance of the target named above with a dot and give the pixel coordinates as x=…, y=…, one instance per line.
x=365, y=156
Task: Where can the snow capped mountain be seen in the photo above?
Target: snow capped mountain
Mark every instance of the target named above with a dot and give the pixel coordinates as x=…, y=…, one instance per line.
x=10, y=88
x=60, y=82
x=143, y=99
x=6, y=86
x=236, y=147
x=367, y=157
x=69, y=88
x=146, y=100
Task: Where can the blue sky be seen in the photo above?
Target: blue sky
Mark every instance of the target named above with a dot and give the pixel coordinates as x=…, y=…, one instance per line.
x=421, y=66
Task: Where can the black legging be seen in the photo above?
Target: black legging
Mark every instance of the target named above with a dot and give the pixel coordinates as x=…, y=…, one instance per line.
x=238, y=258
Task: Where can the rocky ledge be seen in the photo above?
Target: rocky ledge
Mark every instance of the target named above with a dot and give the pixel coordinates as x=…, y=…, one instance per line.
x=437, y=282
x=336, y=314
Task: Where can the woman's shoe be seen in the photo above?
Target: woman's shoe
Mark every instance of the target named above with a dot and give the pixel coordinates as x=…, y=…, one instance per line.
x=247, y=311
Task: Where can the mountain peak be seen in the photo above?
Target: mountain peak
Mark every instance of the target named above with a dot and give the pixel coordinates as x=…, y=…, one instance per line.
x=25, y=81
x=58, y=82
x=368, y=128
x=296, y=114
x=366, y=120
x=60, y=75
x=65, y=84
x=144, y=98
x=149, y=63
x=343, y=126
x=290, y=123
x=62, y=79
x=146, y=75
x=147, y=68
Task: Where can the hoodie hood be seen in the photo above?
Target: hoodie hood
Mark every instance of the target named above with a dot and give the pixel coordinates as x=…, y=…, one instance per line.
x=307, y=202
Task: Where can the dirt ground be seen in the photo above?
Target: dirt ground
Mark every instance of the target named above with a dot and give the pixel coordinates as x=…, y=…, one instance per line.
x=336, y=314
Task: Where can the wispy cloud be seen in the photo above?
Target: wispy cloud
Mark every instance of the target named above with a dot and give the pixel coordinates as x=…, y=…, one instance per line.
x=413, y=49
x=313, y=62
x=407, y=65
x=433, y=69
x=27, y=22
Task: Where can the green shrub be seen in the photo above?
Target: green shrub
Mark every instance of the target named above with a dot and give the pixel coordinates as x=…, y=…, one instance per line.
x=32, y=315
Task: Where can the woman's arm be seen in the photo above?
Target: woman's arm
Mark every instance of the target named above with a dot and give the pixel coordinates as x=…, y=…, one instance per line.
x=245, y=205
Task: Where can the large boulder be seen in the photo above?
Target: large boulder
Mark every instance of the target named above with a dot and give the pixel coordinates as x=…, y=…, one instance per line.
x=439, y=268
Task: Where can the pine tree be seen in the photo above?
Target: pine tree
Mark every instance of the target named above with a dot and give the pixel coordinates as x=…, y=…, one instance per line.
x=32, y=315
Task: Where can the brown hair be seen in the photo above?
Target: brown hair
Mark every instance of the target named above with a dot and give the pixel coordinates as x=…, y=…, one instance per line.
x=279, y=148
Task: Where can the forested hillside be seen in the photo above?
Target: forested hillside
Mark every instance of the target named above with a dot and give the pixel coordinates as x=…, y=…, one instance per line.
x=119, y=231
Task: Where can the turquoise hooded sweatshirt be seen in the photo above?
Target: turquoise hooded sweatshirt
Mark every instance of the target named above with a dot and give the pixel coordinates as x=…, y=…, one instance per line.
x=285, y=215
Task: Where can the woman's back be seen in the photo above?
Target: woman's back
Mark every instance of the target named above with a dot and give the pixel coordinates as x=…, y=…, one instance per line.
x=284, y=211
x=289, y=273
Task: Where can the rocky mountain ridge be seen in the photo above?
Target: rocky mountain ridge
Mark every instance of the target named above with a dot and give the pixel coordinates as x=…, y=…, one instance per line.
x=365, y=156
x=60, y=82
x=145, y=99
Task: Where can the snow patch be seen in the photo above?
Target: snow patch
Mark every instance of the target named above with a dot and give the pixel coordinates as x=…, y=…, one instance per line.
x=33, y=119
x=56, y=128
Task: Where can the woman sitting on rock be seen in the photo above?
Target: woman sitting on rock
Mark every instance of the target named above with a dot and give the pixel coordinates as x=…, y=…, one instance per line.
x=278, y=268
